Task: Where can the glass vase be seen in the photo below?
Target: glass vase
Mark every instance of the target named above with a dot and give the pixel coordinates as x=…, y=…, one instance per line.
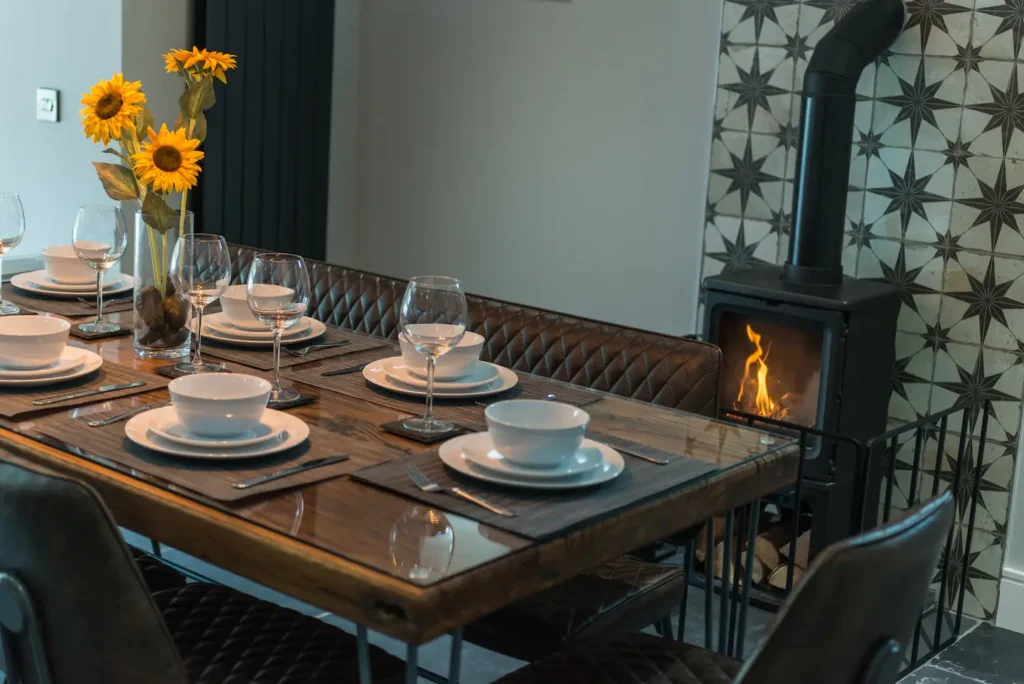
x=161, y=316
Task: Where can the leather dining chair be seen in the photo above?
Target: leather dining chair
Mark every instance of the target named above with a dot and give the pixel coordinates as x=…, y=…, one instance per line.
x=849, y=621
x=75, y=609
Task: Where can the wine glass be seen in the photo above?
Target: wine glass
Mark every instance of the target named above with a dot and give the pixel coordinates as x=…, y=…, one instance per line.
x=278, y=294
x=422, y=544
x=99, y=239
x=12, y=229
x=201, y=271
x=433, y=320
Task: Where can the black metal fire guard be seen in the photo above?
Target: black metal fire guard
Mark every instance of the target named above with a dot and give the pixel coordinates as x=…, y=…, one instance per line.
x=941, y=617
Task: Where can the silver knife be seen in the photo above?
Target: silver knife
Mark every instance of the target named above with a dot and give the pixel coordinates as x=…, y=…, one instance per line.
x=87, y=393
x=285, y=472
x=345, y=371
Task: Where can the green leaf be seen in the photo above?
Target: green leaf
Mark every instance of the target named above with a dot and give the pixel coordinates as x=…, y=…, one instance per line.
x=118, y=182
x=199, y=132
x=196, y=98
x=209, y=97
x=111, y=150
x=143, y=122
x=157, y=214
x=180, y=122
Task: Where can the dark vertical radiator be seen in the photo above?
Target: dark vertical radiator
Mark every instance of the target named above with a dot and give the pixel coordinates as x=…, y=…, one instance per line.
x=265, y=178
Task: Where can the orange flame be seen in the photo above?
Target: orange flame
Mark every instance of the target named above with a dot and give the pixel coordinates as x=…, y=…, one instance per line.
x=762, y=401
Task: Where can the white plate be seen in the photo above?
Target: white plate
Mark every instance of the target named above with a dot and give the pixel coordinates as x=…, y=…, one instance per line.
x=22, y=282
x=453, y=454
x=219, y=323
x=295, y=432
x=90, y=362
x=45, y=282
x=165, y=424
x=69, y=360
x=480, y=452
x=482, y=374
x=375, y=372
x=315, y=330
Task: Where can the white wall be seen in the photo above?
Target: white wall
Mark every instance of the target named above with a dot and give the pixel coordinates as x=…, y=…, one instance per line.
x=1010, y=613
x=63, y=44
x=548, y=153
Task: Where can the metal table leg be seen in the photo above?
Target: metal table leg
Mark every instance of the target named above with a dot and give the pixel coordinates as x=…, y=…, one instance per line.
x=411, y=667
x=363, y=655
x=455, y=660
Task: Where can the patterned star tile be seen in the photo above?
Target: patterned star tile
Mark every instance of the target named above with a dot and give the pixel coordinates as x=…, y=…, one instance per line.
x=755, y=89
x=988, y=210
x=732, y=244
x=976, y=569
x=746, y=178
x=908, y=194
x=983, y=300
x=818, y=16
x=934, y=27
x=999, y=28
x=918, y=99
x=916, y=270
x=966, y=373
x=993, y=117
x=994, y=485
x=762, y=22
x=911, y=378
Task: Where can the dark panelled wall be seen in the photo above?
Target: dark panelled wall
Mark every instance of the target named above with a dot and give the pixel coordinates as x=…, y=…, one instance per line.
x=265, y=174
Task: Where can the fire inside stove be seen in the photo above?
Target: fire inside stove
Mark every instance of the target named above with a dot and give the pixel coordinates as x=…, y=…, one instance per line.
x=771, y=369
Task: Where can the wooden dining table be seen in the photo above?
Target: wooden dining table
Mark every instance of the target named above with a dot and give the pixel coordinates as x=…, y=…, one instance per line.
x=342, y=545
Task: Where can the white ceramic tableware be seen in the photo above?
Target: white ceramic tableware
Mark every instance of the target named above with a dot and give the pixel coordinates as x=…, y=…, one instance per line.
x=167, y=426
x=376, y=373
x=32, y=341
x=534, y=433
x=456, y=363
x=582, y=461
x=70, y=359
x=90, y=362
x=482, y=374
x=63, y=266
x=235, y=305
x=314, y=330
x=219, y=323
x=453, y=454
x=219, y=404
x=37, y=282
x=295, y=432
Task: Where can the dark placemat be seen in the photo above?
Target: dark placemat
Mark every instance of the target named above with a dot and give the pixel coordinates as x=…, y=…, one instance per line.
x=66, y=307
x=541, y=513
x=397, y=427
x=76, y=331
x=301, y=400
x=263, y=359
x=466, y=412
x=17, y=403
x=210, y=479
x=169, y=371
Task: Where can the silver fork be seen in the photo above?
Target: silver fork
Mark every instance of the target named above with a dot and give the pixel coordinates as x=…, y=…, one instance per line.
x=127, y=414
x=421, y=481
x=314, y=347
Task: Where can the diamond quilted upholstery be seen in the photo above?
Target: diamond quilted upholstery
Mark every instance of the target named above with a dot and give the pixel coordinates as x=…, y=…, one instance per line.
x=625, y=594
x=226, y=637
x=158, y=576
x=664, y=370
x=629, y=659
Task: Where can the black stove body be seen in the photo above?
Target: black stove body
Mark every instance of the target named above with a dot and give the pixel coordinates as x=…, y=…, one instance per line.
x=803, y=343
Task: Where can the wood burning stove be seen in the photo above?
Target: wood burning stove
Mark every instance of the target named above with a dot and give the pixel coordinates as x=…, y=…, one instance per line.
x=802, y=343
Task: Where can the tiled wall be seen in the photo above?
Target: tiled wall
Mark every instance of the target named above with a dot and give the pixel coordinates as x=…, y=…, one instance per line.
x=935, y=206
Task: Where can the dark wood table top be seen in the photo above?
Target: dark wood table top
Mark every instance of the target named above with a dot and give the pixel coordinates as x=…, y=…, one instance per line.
x=347, y=547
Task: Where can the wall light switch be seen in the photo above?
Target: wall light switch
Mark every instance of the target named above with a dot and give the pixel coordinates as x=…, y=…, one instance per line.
x=47, y=104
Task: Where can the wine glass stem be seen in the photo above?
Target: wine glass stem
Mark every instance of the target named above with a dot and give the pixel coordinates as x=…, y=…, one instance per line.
x=99, y=297
x=277, y=360
x=198, y=360
x=428, y=417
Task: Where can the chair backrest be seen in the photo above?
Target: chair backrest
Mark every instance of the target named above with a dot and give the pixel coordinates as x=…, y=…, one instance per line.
x=661, y=369
x=851, y=618
x=96, y=619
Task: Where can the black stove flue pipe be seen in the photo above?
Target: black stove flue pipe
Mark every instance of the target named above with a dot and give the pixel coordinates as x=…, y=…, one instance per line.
x=826, y=133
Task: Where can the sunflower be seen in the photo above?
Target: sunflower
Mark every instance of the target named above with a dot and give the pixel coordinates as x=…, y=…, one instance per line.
x=168, y=160
x=175, y=59
x=109, y=107
x=218, y=63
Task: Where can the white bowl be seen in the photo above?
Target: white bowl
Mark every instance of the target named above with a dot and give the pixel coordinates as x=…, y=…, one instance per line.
x=455, y=364
x=235, y=303
x=32, y=341
x=536, y=434
x=63, y=266
x=219, y=404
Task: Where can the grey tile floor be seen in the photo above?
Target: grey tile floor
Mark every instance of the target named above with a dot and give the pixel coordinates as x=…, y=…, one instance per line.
x=984, y=655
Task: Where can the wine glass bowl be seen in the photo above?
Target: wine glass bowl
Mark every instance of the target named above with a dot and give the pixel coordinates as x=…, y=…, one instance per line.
x=278, y=293
x=12, y=230
x=201, y=272
x=99, y=239
x=433, y=319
